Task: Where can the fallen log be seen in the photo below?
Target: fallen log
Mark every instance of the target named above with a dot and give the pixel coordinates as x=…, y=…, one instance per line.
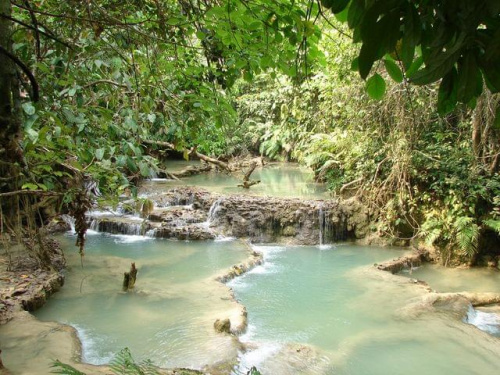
x=192, y=151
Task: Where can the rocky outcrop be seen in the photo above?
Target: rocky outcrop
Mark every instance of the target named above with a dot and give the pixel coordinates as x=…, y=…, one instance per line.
x=408, y=261
x=23, y=284
x=255, y=259
x=189, y=213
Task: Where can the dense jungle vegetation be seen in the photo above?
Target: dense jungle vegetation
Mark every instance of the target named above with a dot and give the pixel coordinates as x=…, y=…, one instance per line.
x=392, y=101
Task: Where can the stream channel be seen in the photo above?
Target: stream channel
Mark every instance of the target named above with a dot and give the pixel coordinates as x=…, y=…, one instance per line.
x=311, y=309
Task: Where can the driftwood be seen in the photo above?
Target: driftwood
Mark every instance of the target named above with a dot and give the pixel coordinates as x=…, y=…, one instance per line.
x=129, y=278
x=210, y=160
x=246, y=178
x=192, y=152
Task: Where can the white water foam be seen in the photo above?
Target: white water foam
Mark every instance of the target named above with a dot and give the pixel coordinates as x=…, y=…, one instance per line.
x=130, y=238
x=254, y=357
x=488, y=322
x=90, y=342
x=221, y=238
x=326, y=247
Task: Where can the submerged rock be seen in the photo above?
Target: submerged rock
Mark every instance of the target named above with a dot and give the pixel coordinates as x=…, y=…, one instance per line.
x=222, y=325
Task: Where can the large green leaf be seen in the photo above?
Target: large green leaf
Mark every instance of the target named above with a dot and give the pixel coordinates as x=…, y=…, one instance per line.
x=438, y=66
x=375, y=86
x=411, y=36
x=393, y=70
x=355, y=13
x=467, y=77
x=447, y=95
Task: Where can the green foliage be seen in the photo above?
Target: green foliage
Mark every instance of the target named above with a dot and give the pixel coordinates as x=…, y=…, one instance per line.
x=493, y=224
x=417, y=171
x=62, y=368
x=448, y=36
x=122, y=364
x=115, y=74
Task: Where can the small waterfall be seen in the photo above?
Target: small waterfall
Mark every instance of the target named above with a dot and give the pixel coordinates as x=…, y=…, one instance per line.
x=212, y=212
x=487, y=322
x=135, y=228
x=70, y=220
x=94, y=224
x=151, y=233
x=321, y=215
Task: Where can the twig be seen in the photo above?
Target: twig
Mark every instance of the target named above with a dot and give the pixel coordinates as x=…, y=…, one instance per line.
x=349, y=184
x=36, y=30
x=107, y=81
x=29, y=192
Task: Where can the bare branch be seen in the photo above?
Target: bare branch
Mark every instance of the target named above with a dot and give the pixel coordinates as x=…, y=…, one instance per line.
x=30, y=192
x=107, y=81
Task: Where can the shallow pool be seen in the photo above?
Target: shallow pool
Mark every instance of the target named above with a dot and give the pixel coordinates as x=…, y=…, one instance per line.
x=352, y=316
x=168, y=318
x=277, y=180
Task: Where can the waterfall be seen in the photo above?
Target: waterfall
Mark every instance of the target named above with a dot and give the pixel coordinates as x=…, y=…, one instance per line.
x=132, y=228
x=485, y=321
x=94, y=225
x=212, y=212
x=151, y=233
x=70, y=220
x=321, y=225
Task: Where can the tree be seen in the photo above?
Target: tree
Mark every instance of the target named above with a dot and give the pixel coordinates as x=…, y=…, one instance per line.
x=456, y=41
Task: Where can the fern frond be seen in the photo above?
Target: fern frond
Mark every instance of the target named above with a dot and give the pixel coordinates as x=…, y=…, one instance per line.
x=65, y=369
x=467, y=234
x=493, y=224
x=124, y=364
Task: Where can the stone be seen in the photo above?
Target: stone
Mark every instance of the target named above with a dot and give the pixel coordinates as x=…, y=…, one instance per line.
x=223, y=326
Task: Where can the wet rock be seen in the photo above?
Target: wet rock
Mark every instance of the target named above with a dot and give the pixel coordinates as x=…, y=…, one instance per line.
x=222, y=326
x=408, y=261
x=189, y=213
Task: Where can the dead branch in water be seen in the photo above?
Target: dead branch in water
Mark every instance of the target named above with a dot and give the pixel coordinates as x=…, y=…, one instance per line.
x=246, y=178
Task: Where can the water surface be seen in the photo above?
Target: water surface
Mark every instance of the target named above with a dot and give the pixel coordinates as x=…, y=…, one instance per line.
x=445, y=279
x=277, y=179
x=352, y=316
x=168, y=318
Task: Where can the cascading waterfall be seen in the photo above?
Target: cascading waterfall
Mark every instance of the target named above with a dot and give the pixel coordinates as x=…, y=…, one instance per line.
x=321, y=215
x=94, y=225
x=488, y=322
x=70, y=220
x=212, y=212
x=131, y=228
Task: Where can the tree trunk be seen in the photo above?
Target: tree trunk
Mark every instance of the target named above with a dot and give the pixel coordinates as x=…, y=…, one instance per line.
x=10, y=126
x=129, y=278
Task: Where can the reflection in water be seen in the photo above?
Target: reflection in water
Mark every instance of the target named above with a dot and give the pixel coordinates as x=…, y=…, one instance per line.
x=278, y=180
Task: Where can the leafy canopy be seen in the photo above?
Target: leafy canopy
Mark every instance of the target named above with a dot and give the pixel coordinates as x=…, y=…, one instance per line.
x=455, y=41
